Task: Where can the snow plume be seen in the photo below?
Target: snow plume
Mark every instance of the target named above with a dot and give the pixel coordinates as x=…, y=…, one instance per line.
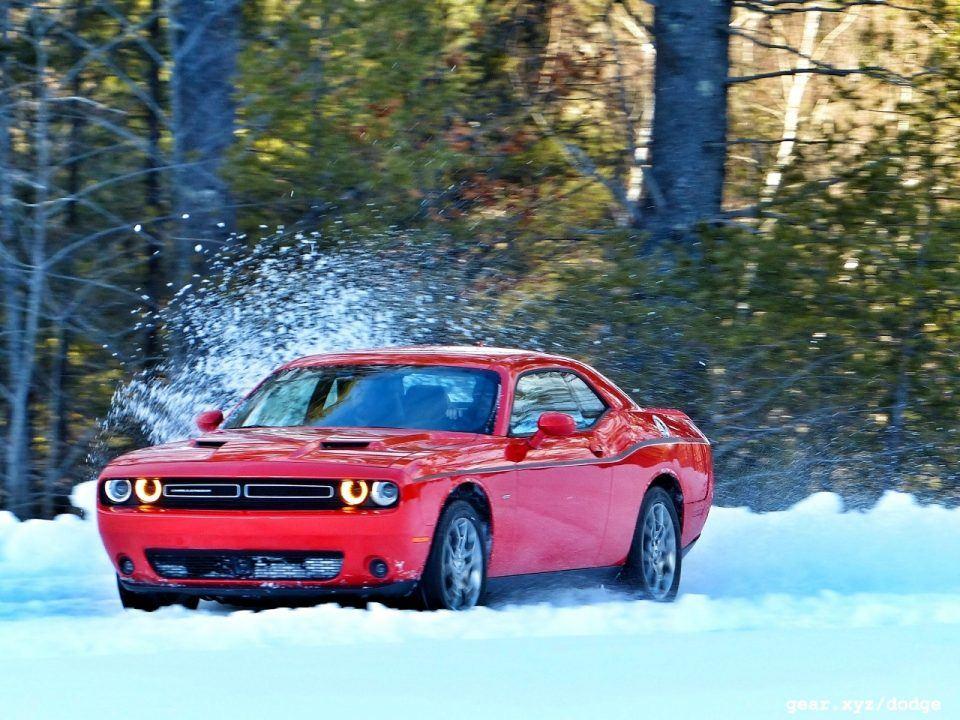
x=282, y=300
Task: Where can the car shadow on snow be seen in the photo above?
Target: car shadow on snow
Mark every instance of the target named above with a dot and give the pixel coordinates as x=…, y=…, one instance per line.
x=564, y=590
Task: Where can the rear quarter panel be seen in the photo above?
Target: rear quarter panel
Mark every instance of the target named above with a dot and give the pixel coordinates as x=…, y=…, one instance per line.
x=684, y=456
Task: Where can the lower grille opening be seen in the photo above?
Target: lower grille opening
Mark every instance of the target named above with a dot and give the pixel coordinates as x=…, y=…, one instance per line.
x=244, y=565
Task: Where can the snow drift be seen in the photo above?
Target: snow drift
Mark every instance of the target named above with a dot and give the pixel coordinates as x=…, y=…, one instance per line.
x=812, y=561
x=809, y=603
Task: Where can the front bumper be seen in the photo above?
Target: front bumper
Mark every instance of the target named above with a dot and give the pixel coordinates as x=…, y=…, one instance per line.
x=276, y=592
x=397, y=536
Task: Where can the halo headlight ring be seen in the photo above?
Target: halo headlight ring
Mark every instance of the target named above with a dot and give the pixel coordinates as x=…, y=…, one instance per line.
x=148, y=490
x=118, y=490
x=354, y=492
x=384, y=493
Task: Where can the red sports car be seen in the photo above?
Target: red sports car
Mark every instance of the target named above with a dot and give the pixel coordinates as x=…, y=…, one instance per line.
x=417, y=473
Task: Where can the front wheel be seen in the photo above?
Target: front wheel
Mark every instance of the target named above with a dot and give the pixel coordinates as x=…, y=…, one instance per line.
x=148, y=602
x=653, y=564
x=455, y=575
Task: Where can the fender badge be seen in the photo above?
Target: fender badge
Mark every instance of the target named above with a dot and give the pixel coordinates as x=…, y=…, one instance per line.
x=661, y=426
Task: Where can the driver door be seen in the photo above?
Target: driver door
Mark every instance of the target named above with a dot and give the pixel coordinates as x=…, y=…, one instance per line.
x=563, y=492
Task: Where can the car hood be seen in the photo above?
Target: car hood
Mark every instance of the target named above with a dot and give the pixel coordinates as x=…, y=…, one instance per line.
x=378, y=447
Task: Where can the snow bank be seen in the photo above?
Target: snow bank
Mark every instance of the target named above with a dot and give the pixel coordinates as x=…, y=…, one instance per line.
x=66, y=546
x=897, y=547
x=54, y=565
x=811, y=566
x=807, y=603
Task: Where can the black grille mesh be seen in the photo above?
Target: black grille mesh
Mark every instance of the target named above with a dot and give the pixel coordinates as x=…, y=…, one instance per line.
x=241, y=565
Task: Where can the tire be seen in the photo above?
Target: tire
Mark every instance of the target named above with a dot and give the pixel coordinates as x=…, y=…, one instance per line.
x=653, y=566
x=149, y=602
x=455, y=576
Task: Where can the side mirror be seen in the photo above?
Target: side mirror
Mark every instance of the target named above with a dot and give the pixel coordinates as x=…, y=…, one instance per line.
x=550, y=424
x=209, y=420
x=553, y=424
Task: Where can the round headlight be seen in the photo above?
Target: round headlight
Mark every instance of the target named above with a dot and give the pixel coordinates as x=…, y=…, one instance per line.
x=148, y=490
x=354, y=492
x=384, y=493
x=117, y=491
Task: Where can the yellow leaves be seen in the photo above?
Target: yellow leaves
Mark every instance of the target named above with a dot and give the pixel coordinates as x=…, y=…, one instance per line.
x=271, y=144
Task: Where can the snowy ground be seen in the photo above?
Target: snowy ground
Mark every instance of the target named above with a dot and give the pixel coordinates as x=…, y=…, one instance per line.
x=811, y=612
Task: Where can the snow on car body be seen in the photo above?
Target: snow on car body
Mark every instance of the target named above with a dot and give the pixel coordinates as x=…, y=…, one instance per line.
x=414, y=471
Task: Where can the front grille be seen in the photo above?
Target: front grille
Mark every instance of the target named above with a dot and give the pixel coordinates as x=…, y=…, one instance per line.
x=204, y=490
x=250, y=494
x=244, y=565
x=276, y=491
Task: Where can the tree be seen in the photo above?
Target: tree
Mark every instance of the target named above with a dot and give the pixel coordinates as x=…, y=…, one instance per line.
x=669, y=123
x=203, y=44
x=688, y=149
x=552, y=174
x=66, y=156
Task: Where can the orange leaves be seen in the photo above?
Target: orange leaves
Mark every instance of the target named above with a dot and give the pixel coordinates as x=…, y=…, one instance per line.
x=386, y=108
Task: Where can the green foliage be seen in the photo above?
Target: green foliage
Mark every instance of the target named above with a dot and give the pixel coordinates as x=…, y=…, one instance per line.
x=815, y=340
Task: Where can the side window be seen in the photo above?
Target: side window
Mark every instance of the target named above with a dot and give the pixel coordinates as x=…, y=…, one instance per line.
x=541, y=392
x=537, y=393
x=591, y=406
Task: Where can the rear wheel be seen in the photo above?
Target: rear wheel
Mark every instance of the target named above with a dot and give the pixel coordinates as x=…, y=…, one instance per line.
x=654, y=562
x=150, y=601
x=455, y=575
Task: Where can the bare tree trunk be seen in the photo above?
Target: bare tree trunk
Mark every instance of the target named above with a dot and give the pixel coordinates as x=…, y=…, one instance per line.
x=203, y=38
x=6, y=159
x=912, y=339
x=10, y=273
x=18, y=435
x=57, y=431
x=688, y=151
x=154, y=280
x=808, y=54
x=59, y=370
x=797, y=89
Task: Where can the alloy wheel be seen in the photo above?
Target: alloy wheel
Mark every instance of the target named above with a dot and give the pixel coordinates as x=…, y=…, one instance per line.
x=659, y=555
x=462, y=565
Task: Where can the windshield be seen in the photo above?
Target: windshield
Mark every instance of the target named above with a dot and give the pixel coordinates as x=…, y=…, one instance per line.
x=414, y=397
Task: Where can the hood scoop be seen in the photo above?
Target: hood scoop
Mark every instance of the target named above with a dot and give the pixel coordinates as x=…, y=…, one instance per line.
x=213, y=444
x=345, y=444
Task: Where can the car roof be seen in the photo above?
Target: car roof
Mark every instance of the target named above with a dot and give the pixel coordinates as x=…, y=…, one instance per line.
x=513, y=360
x=436, y=353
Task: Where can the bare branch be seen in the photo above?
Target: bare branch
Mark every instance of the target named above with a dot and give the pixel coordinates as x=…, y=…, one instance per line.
x=131, y=84
x=871, y=71
x=776, y=141
x=780, y=46
x=776, y=7
x=634, y=23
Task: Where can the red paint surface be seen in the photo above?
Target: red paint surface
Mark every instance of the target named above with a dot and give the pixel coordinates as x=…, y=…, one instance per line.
x=572, y=502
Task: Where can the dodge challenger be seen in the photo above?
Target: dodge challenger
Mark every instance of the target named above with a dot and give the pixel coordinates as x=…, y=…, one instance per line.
x=415, y=473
